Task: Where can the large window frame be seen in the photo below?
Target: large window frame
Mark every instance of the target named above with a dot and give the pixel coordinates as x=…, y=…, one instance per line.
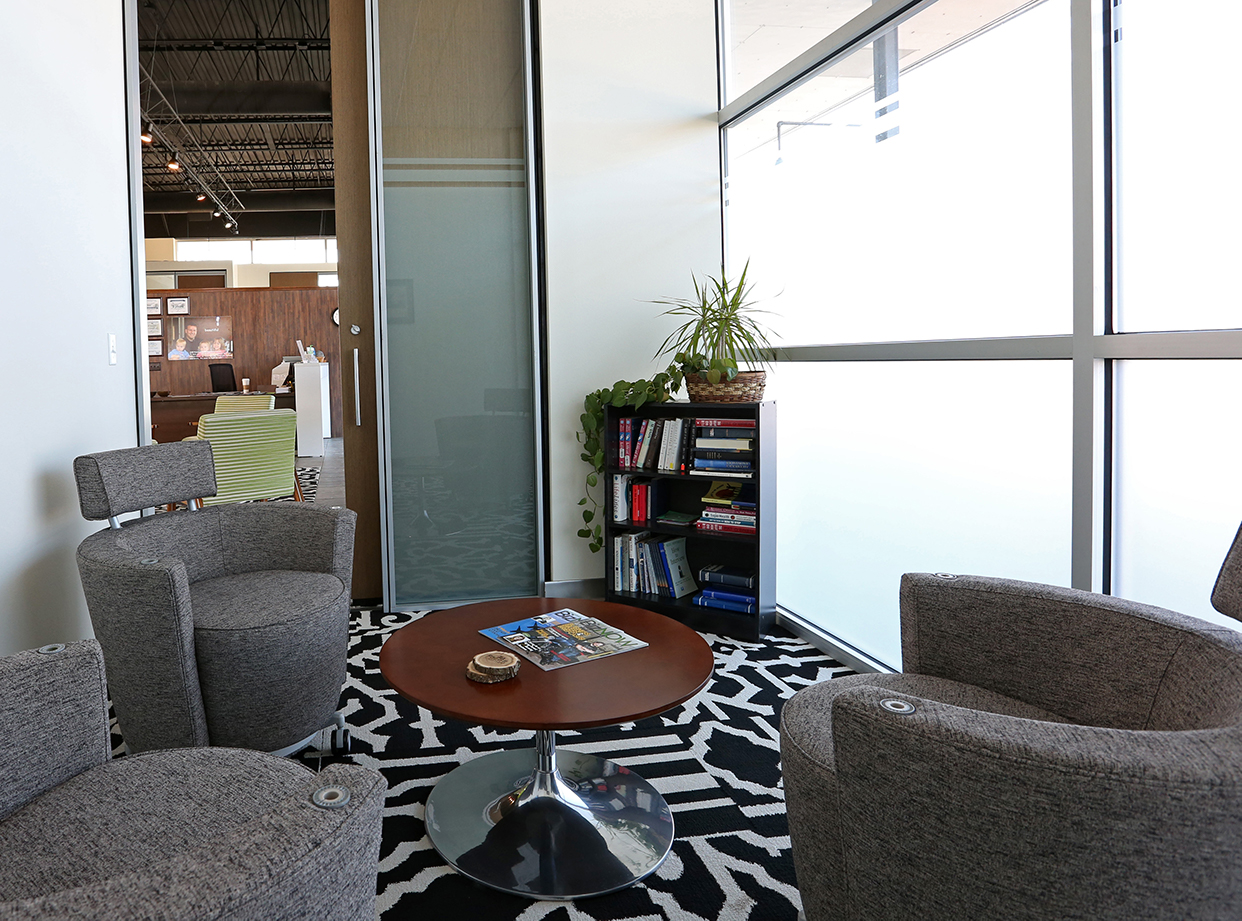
x=1093, y=345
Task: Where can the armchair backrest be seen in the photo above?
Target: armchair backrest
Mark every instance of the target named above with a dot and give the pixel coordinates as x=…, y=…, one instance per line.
x=53, y=719
x=1227, y=593
x=245, y=402
x=254, y=454
x=115, y=482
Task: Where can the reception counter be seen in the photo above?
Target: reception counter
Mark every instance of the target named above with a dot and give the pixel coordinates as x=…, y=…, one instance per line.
x=176, y=417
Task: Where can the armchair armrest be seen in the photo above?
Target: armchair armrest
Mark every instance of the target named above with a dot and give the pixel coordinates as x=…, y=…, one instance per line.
x=53, y=719
x=1075, y=821
x=1091, y=658
x=296, y=860
x=140, y=609
x=289, y=535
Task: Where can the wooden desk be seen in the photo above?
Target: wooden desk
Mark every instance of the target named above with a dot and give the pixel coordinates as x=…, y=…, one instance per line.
x=176, y=417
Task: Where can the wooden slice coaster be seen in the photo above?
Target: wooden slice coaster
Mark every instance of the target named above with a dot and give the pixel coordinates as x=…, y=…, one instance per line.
x=490, y=667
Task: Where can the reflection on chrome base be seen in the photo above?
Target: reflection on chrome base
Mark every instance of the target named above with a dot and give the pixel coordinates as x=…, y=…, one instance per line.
x=549, y=824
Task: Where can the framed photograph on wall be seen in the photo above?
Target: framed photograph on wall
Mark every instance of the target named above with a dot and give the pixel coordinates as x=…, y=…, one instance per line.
x=155, y=346
x=199, y=337
x=155, y=327
x=155, y=306
x=178, y=306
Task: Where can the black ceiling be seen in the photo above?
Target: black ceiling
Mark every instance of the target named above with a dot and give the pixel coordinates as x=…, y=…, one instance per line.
x=240, y=91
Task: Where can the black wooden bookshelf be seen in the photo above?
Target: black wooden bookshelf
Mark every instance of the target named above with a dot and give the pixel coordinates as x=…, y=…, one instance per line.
x=755, y=552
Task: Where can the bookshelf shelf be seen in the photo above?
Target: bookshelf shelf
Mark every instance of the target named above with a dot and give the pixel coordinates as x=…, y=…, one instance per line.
x=753, y=552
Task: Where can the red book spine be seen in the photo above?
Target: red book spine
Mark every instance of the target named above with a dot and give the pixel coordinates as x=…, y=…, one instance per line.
x=638, y=502
x=725, y=423
x=721, y=526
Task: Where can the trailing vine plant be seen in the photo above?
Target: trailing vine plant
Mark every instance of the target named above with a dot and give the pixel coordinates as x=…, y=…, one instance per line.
x=622, y=394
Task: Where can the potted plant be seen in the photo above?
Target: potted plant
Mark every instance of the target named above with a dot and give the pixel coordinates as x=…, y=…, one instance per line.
x=721, y=329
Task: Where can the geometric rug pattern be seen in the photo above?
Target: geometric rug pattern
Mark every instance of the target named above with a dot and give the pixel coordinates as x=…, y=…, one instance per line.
x=715, y=759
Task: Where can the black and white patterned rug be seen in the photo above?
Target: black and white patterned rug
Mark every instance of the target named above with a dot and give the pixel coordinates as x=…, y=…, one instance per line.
x=715, y=759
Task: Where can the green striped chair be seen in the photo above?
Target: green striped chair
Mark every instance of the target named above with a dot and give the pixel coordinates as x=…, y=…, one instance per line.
x=245, y=402
x=254, y=454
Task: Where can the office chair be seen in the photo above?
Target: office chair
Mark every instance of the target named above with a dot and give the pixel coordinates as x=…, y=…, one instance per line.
x=222, y=378
x=226, y=625
x=1048, y=753
x=181, y=834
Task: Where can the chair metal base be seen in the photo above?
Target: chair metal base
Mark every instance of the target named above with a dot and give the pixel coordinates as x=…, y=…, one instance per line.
x=548, y=824
x=333, y=739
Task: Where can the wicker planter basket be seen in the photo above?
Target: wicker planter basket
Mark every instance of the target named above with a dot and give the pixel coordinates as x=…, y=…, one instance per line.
x=747, y=387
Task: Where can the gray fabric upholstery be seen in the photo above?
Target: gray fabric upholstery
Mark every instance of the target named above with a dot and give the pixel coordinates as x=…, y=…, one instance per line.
x=64, y=733
x=240, y=621
x=1070, y=756
x=223, y=626
x=1227, y=593
x=115, y=482
x=185, y=834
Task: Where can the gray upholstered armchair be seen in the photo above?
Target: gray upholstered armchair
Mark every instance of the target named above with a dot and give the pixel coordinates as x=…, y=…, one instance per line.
x=222, y=626
x=1048, y=753
x=190, y=833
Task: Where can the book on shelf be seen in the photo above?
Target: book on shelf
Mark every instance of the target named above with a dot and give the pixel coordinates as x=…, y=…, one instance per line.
x=726, y=433
x=725, y=527
x=638, y=501
x=720, y=513
x=645, y=437
x=560, y=638
x=709, y=463
x=735, y=596
x=672, y=435
x=621, y=497
x=737, y=474
x=710, y=422
x=719, y=574
x=724, y=444
x=723, y=605
x=723, y=455
x=677, y=518
x=623, y=451
x=636, y=441
x=722, y=493
x=680, y=576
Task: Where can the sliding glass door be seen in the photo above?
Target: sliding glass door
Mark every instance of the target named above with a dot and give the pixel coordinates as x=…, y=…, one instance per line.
x=458, y=308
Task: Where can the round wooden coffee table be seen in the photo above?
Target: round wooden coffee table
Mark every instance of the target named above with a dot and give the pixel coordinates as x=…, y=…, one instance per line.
x=542, y=822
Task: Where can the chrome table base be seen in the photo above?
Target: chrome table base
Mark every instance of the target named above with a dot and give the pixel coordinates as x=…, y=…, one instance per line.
x=548, y=824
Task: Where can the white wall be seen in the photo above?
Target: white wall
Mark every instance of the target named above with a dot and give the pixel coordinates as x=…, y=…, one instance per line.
x=66, y=264
x=256, y=276
x=633, y=206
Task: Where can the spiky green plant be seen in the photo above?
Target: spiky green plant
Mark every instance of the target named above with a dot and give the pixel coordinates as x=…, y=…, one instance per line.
x=721, y=328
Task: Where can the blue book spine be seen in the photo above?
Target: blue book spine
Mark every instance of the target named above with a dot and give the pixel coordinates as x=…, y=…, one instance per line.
x=723, y=605
x=704, y=463
x=729, y=596
x=726, y=575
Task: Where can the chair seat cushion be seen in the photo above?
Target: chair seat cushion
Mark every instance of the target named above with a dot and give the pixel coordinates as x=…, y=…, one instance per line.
x=271, y=648
x=265, y=598
x=134, y=811
x=806, y=720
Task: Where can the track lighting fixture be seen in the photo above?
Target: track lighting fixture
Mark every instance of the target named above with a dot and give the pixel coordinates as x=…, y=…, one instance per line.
x=228, y=225
x=201, y=196
x=215, y=213
x=148, y=133
x=173, y=164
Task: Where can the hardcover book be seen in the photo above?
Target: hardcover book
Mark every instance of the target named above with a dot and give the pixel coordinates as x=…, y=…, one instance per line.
x=707, y=422
x=561, y=638
x=724, y=605
x=727, y=575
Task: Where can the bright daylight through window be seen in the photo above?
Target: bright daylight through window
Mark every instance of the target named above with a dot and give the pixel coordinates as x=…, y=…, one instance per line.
x=910, y=200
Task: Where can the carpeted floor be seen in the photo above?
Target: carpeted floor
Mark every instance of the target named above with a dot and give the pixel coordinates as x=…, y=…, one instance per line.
x=715, y=759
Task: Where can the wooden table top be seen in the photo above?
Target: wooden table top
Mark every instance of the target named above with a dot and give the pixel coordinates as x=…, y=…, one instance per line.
x=425, y=662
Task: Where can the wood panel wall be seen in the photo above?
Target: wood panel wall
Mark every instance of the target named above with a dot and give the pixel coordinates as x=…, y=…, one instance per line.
x=267, y=322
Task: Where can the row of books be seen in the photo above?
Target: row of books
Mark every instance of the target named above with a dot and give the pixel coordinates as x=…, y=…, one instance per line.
x=727, y=588
x=703, y=446
x=729, y=507
x=645, y=562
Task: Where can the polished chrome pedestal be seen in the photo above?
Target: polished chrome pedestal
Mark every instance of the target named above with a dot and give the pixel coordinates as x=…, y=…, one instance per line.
x=549, y=824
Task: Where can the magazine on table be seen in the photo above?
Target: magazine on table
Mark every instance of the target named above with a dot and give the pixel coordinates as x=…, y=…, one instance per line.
x=562, y=638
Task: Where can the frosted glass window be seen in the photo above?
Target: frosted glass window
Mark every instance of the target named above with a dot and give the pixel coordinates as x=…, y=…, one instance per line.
x=1178, y=494
x=765, y=35
x=193, y=250
x=232, y=250
x=887, y=468
x=1178, y=185
x=929, y=205
x=330, y=244
x=329, y=280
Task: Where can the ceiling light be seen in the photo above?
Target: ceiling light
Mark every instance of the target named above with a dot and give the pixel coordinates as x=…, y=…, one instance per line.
x=215, y=214
x=228, y=225
x=201, y=196
x=173, y=163
x=148, y=133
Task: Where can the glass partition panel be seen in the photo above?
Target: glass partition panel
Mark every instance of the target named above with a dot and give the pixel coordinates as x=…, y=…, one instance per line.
x=886, y=468
x=1178, y=497
x=1178, y=186
x=919, y=188
x=457, y=298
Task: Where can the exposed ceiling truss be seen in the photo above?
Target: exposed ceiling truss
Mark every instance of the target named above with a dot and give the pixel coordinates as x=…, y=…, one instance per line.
x=240, y=92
